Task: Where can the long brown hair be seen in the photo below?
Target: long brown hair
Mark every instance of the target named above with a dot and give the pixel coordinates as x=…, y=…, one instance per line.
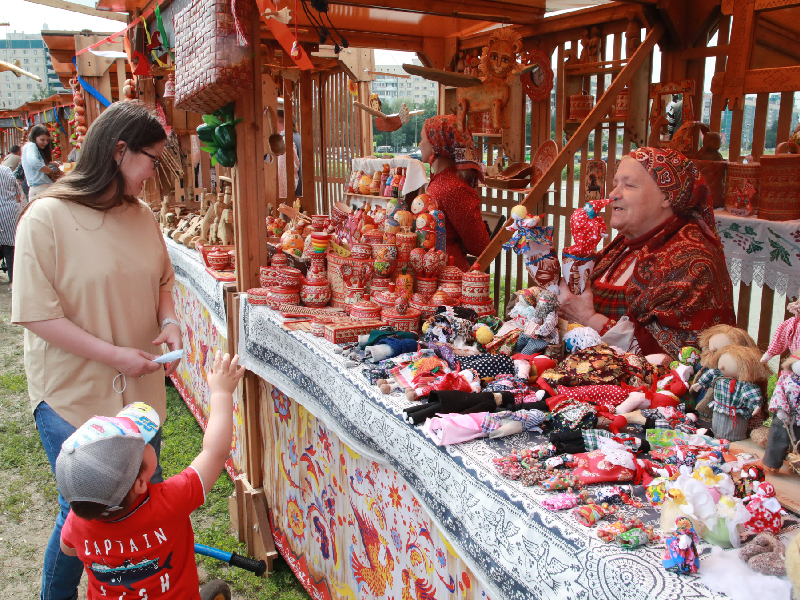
x=46, y=152
x=97, y=171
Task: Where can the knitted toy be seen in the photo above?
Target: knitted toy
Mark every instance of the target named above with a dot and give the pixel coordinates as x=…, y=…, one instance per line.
x=681, y=549
x=587, y=227
x=766, y=554
x=736, y=395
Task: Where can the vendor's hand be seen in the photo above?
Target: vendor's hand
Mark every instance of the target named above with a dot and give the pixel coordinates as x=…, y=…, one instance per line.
x=575, y=309
x=171, y=336
x=133, y=362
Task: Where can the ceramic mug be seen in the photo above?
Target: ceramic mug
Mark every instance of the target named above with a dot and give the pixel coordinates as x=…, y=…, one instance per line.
x=339, y=213
x=320, y=222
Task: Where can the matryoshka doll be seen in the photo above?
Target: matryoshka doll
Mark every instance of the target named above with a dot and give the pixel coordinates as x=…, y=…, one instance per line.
x=426, y=231
x=375, y=188
x=390, y=223
x=404, y=284
x=384, y=179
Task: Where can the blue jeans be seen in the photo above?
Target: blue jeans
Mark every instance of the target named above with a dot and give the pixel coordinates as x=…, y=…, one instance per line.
x=62, y=573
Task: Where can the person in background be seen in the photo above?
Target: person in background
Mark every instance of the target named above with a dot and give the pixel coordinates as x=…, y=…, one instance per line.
x=36, y=162
x=298, y=148
x=455, y=173
x=93, y=290
x=12, y=158
x=9, y=215
x=282, y=188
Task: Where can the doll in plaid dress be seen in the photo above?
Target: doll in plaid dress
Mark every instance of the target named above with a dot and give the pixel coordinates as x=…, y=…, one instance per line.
x=736, y=395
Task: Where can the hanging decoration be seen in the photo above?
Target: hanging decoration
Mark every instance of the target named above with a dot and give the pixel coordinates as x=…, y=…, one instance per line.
x=79, y=113
x=296, y=52
x=217, y=135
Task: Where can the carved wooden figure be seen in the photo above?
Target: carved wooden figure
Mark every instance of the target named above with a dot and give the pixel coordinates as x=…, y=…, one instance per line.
x=498, y=65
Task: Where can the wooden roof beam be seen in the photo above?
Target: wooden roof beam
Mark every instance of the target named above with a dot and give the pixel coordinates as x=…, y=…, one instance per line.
x=553, y=172
x=567, y=22
x=471, y=10
x=362, y=39
x=773, y=36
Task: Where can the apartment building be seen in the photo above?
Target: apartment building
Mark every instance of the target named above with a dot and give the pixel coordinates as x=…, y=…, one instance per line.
x=33, y=56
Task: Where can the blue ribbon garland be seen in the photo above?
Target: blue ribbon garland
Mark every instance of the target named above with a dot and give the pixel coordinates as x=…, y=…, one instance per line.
x=89, y=88
x=55, y=114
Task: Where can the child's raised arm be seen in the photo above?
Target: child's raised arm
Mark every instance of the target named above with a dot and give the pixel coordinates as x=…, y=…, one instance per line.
x=222, y=380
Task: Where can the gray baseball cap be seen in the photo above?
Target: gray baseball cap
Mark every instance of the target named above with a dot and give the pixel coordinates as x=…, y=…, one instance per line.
x=100, y=461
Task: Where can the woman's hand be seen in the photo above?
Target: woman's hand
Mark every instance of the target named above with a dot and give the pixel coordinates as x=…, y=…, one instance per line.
x=171, y=336
x=576, y=309
x=133, y=362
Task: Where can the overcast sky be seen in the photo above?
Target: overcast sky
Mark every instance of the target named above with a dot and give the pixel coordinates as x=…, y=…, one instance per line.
x=26, y=17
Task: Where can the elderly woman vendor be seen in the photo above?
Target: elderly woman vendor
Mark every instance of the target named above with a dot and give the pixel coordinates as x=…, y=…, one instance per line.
x=663, y=279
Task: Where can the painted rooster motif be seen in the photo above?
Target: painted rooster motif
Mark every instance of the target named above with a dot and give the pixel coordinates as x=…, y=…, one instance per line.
x=375, y=574
x=422, y=589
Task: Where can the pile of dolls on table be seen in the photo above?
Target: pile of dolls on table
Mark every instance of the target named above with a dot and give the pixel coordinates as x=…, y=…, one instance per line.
x=606, y=416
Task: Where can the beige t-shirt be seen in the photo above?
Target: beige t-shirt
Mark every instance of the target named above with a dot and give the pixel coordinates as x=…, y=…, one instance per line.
x=103, y=272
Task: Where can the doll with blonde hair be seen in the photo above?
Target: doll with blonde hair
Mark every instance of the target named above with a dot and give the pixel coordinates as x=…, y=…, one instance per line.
x=736, y=395
x=715, y=338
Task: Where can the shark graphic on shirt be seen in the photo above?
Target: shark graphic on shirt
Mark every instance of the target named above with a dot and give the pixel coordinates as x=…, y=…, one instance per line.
x=128, y=573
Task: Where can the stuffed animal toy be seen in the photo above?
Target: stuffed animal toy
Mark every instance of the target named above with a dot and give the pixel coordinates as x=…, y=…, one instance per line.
x=681, y=549
x=735, y=394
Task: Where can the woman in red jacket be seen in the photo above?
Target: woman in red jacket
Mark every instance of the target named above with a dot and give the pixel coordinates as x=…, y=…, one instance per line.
x=455, y=172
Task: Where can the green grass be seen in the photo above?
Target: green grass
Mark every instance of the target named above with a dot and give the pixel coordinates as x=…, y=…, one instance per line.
x=14, y=382
x=182, y=441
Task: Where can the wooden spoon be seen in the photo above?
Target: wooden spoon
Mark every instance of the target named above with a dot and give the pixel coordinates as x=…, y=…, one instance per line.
x=275, y=142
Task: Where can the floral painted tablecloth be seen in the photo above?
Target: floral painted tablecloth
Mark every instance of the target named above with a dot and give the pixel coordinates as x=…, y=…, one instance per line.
x=516, y=549
x=761, y=252
x=191, y=272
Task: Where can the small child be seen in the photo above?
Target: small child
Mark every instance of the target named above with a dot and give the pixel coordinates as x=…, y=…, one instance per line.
x=132, y=536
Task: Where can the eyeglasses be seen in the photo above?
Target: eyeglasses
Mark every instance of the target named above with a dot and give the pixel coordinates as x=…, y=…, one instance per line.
x=155, y=160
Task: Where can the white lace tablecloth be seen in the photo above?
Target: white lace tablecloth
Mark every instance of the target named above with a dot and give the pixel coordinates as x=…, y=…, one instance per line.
x=191, y=272
x=518, y=549
x=761, y=252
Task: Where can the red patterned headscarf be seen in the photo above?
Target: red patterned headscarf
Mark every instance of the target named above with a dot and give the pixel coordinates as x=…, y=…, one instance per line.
x=680, y=179
x=449, y=142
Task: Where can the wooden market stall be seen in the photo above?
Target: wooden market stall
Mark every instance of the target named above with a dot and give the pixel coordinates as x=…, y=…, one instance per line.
x=357, y=502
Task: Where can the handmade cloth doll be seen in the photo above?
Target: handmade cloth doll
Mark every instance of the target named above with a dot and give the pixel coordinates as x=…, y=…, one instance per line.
x=711, y=342
x=580, y=338
x=736, y=397
x=450, y=401
x=464, y=381
x=681, y=553
x=748, y=481
x=787, y=335
x=766, y=510
x=541, y=329
x=784, y=405
x=535, y=244
x=587, y=227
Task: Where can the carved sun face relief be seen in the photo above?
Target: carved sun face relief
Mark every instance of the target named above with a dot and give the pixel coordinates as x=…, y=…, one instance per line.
x=501, y=59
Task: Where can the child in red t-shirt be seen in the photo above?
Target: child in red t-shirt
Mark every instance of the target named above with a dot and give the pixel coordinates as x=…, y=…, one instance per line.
x=134, y=537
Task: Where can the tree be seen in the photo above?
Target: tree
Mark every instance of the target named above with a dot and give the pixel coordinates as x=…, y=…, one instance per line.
x=44, y=92
x=771, y=138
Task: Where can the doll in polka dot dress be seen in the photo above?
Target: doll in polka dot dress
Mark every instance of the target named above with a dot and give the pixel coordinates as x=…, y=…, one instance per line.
x=587, y=227
x=766, y=510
